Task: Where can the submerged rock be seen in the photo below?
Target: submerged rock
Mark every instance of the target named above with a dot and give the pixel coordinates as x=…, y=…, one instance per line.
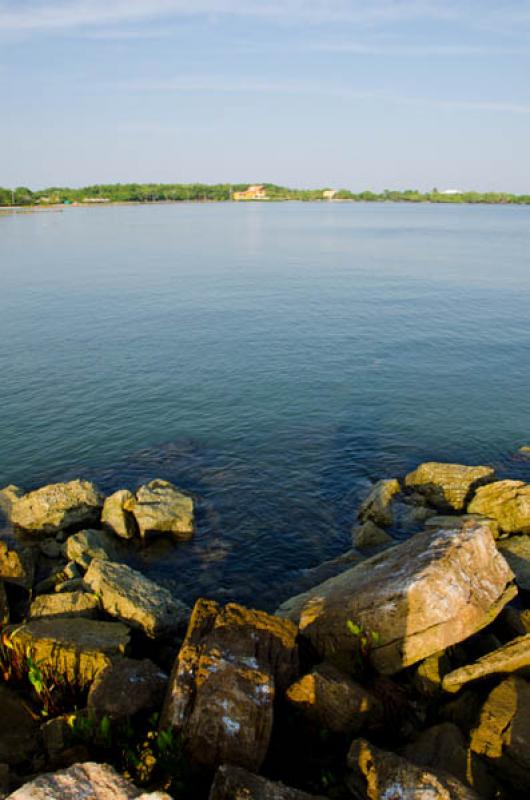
x=76, y=649
x=418, y=597
x=86, y=781
x=516, y=551
x=136, y=600
x=235, y=783
x=511, y=657
x=116, y=516
x=159, y=507
x=333, y=701
x=57, y=507
x=369, y=536
x=377, y=507
x=447, y=486
x=508, y=502
x=127, y=687
x=222, y=688
x=84, y=546
x=502, y=735
x=380, y=775
x=66, y=604
x=18, y=731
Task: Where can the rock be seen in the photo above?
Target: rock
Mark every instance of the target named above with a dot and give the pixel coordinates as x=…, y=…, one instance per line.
x=369, y=537
x=19, y=731
x=57, y=736
x=221, y=691
x=159, y=507
x=127, y=687
x=377, y=507
x=516, y=551
x=235, y=783
x=5, y=779
x=116, y=517
x=8, y=496
x=136, y=600
x=511, y=623
x=4, y=606
x=429, y=674
x=502, y=735
x=50, y=548
x=525, y=449
x=67, y=604
x=419, y=597
x=444, y=748
x=508, y=502
x=381, y=775
x=17, y=562
x=511, y=657
x=463, y=709
x=462, y=520
x=58, y=507
x=333, y=701
x=77, y=649
x=70, y=586
x=84, y=546
x=65, y=573
x=86, y=781
x=448, y=486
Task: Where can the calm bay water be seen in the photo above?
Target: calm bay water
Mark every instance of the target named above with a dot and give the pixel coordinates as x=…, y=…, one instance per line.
x=270, y=359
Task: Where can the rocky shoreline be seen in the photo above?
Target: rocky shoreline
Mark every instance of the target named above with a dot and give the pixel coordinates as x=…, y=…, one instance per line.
x=402, y=671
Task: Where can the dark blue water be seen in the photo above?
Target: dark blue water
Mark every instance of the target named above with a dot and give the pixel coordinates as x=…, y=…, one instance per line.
x=270, y=358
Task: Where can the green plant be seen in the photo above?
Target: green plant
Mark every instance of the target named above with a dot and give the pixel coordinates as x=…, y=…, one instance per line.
x=366, y=640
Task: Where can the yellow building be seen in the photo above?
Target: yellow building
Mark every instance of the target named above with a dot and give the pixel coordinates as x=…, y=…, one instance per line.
x=256, y=192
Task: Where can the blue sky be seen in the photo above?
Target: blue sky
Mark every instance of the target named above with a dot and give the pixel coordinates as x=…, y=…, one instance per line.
x=354, y=93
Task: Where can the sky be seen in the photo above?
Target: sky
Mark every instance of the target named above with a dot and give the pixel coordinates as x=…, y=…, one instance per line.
x=360, y=94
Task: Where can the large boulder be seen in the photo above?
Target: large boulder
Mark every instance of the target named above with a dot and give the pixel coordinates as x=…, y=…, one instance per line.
x=18, y=731
x=236, y=783
x=127, y=687
x=76, y=649
x=447, y=486
x=380, y=775
x=136, y=600
x=377, y=507
x=116, y=516
x=502, y=735
x=222, y=688
x=516, y=551
x=58, y=507
x=17, y=561
x=159, y=507
x=84, y=546
x=86, y=781
x=333, y=701
x=508, y=502
x=65, y=604
x=415, y=599
x=511, y=657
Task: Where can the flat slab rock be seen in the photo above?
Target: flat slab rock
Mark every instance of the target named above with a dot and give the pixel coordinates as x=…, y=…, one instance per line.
x=131, y=597
x=447, y=486
x=75, y=648
x=57, y=507
x=511, y=657
x=380, y=775
x=236, y=783
x=420, y=597
x=65, y=604
x=86, y=781
x=508, y=502
x=222, y=688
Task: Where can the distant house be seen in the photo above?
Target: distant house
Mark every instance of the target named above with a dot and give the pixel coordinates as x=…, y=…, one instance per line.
x=256, y=192
x=451, y=191
x=96, y=200
x=329, y=194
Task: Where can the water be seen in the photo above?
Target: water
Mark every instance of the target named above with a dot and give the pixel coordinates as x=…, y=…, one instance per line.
x=272, y=359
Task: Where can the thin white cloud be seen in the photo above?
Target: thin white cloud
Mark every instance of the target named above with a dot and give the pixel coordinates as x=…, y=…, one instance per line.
x=406, y=50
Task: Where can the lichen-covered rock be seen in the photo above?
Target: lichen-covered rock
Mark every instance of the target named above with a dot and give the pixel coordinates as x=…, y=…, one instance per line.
x=508, y=502
x=159, y=507
x=221, y=691
x=380, y=775
x=447, y=486
x=333, y=701
x=419, y=597
x=236, y=783
x=116, y=517
x=136, y=600
x=502, y=735
x=17, y=561
x=4, y=606
x=127, y=687
x=369, y=537
x=86, y=781
x=377, y=507
x=58, y=507
x=511, y=657
x=77, y=649
x=18, y=729
x=66, y=604
x=84, y=546
x=516, y=551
